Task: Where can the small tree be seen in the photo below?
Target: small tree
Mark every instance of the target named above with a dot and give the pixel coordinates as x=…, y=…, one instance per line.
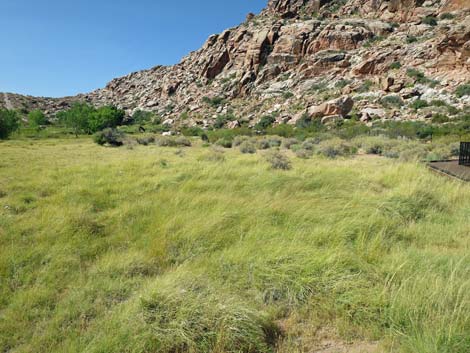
x=77, y=118
x=9, y=122
x=105, y=117
x=37, y=118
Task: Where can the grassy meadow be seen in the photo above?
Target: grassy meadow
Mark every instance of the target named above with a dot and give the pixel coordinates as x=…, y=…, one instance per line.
x=169, y=250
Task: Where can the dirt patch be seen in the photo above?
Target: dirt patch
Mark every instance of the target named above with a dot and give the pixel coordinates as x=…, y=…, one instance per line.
x=329, y=342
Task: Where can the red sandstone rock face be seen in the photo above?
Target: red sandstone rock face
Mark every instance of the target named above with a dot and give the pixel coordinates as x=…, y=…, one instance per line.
x=290, y=47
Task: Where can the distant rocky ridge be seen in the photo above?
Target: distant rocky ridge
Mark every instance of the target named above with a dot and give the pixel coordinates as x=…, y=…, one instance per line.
x=298, y=56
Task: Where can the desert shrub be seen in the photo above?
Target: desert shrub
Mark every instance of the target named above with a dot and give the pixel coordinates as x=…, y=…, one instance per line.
x=224, y=142
x=419, y=77
x=411, y=39
x=169, y=141
x=379, y=145
x=248, y=147
x=214, y=102
x=263, y=144
x=182, y=141
x=392, y=101
x=335, y=148
x=439, y=118
x=304, y=153
x=274, y=142
x=413, y=152
x=408, y=129
x=277, y=160
x=37, y=118
x=342, y=83
x=9, y=123
x=446, y=16
x=463, y=90
x=419, y=104
x=395, y=65
x=287, y=95
x=166, y=141
x=365, y=87
x=304, y=122
x=429, y=20
x=147, y=140
x=438, y=103
x=288, y=143
x=238, y=140
x=110, y=137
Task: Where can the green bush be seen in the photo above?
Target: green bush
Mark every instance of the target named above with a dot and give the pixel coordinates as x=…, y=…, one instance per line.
x=110, y=137
x=228, y=134
x=392, y=101
x=440, y=118
x=265, y=122
x=419, y=104
x=105, y=117
x=141, y=117
x=192, y=131
x=463, y=90
x=411, y=39
x=37, y=118
x=446, y=16
x=287, y=95
x=9, y=123
x=282, y=130
x=224, y=142
x=419, y=77
x=395, y=65
x=429, y=20
x=214, y=102
x=84, y=118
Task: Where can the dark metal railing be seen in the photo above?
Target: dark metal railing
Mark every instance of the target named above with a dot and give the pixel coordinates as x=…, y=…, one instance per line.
x=464, y=157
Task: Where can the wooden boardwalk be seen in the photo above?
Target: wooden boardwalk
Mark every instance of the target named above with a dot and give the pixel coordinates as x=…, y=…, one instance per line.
x=452, y=169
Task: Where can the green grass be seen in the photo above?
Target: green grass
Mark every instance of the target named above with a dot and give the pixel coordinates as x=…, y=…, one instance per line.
x=149, y=250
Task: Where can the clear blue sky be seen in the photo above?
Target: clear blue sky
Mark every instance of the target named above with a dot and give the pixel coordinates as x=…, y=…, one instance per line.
x=64, y=47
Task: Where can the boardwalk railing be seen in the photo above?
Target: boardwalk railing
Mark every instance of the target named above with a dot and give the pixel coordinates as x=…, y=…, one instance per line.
x=464, y=157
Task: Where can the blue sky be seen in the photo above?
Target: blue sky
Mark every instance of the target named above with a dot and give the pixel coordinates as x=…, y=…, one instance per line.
x=64, y=47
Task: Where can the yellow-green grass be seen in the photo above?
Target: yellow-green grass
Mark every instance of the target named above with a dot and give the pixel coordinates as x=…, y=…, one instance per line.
x=153, y=250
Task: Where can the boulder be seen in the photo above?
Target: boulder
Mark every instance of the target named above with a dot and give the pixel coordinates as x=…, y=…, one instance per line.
x=340, y=106
x=233, y=124
x=368, y=114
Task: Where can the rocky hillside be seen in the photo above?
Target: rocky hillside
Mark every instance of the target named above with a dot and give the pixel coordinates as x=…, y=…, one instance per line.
x=330, y=59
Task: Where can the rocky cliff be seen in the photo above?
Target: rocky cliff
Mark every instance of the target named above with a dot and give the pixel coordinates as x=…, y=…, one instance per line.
x=298, y=57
